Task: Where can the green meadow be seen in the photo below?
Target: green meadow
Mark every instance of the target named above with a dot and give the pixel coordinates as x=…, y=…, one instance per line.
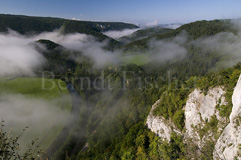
x=138, y=59
x=56, y=105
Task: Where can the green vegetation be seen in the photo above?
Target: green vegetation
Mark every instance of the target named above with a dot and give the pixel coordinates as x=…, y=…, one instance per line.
x=9, y=146
x=140, y=143
x=212, y=125
x=49, y=44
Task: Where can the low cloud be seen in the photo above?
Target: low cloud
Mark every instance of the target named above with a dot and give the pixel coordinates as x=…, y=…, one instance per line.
x=86, y=44
x=41, y=116
x=225, y=44
x=17, y=57
x=119, y=34
x=171, y=26
x=167, y=49
x=75, y=19
x=152, y=24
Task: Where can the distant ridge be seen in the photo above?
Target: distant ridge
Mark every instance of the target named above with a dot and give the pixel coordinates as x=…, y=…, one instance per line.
x=29, y=25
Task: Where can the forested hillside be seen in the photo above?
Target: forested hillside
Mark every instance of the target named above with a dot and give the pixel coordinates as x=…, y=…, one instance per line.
x=195, y=30
x=27, y=24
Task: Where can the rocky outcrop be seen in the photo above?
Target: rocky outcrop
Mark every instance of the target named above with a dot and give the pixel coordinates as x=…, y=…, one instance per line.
x=159, y=125
x=228, y=146
x=199, y=109
x=236, y=100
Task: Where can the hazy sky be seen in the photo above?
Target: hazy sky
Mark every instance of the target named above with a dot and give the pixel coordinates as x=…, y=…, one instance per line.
x=134, y=11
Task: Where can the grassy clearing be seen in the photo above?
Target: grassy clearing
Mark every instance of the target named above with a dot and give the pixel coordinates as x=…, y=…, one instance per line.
x=52, y=94
x=33, y=87
x=138, y=59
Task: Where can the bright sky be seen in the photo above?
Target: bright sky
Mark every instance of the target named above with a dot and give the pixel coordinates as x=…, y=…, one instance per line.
x=134, y=11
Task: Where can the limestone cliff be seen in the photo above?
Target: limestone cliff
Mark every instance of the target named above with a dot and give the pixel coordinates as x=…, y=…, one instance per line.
x=228, y=145
x=198, y=111
x=200, y=108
